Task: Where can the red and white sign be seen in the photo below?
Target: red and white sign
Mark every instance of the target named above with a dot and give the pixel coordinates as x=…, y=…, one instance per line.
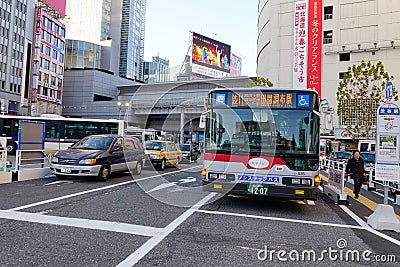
x=300, y=45
x=314, y=72
x=307, y=49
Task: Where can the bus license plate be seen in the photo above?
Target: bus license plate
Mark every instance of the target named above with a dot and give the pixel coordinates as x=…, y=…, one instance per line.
x=257, y=189
x=65, y=170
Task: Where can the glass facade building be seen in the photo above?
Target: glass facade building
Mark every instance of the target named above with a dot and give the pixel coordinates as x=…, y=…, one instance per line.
x=118, y=21
x=82, y=55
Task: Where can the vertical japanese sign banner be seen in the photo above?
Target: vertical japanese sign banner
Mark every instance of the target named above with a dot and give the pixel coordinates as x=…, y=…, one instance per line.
x=307, y=49
x=314, y=72
x=300, y=45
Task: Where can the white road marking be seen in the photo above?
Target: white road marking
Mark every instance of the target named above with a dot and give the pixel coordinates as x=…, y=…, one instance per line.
x=279, y=219
x=161, y=186
x=152, y=242
x=311, y=202
x=367, y=227
x=249, y=248
x=80, y=223
x=187, y=180
x=97, y=189
x=300, y=202
x=59, y=182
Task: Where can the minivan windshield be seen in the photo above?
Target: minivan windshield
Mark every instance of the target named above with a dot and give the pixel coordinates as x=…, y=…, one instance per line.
x=94, y=142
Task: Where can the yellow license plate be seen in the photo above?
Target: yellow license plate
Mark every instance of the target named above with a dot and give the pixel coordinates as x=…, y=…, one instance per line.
x=299, y=192
x=217, y=186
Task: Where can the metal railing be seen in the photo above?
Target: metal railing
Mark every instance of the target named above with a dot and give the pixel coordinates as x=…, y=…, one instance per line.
x=326, y=163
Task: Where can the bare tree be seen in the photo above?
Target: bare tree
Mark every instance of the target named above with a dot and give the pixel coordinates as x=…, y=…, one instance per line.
x=359, y=95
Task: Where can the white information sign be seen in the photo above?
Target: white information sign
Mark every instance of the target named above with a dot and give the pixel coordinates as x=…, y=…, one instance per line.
x=387, y=143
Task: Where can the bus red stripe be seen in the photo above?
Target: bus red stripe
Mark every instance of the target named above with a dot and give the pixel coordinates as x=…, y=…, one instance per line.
x=243, y=159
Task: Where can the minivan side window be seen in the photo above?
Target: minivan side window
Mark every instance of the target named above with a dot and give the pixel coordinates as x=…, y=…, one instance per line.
x=118, y=144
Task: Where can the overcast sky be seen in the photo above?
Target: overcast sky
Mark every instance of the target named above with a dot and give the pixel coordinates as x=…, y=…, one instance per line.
x=234, y=22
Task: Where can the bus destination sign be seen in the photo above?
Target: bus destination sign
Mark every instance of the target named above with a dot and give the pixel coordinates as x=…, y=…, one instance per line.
x=267, y=99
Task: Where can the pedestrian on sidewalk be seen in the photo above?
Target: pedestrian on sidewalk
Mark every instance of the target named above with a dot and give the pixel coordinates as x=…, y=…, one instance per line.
x=355, y=167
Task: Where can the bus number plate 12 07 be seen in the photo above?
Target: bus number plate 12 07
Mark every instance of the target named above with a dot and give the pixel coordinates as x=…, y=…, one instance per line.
x=257, y=189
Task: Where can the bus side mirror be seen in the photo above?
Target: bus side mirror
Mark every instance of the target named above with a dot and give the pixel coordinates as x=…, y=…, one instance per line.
x=202, y=123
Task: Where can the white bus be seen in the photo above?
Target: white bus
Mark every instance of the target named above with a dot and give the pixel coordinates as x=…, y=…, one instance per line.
x=61, y=132
x=262, y=142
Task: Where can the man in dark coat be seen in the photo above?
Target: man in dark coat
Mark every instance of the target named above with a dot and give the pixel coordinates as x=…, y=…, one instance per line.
x=355, y=166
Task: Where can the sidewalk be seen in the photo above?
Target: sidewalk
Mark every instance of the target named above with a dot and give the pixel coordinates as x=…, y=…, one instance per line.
x=369, y=199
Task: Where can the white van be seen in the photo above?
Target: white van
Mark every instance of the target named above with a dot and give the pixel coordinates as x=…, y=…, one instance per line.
x=366, y=145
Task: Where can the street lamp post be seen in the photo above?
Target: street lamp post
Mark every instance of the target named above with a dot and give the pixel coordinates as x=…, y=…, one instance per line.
x=120, y=104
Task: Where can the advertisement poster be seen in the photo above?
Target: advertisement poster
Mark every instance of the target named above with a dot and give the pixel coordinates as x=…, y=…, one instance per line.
x=300, y=45
x=213, y=56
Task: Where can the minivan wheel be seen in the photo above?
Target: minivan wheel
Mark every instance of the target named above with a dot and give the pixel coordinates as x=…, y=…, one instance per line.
x=11, y=148
x=104, y=173
x=138, y=169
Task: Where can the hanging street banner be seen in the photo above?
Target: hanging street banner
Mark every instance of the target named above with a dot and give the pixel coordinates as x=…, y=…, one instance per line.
x=387, y=143
x=307, y=45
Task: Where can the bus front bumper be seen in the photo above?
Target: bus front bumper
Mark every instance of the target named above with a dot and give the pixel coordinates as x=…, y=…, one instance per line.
x=75, y=170
x=289, y=192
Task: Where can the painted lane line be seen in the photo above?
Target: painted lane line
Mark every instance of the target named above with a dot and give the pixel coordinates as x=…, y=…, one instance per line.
x=311, y=202
x=97, y=189
x=80, y=223
x=279, y=219
x=59, y=182
x=367, y=227
x=161, y=186
x=155, y=240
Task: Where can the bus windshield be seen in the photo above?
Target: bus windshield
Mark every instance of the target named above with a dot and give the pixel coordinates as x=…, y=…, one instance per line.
x=262, y=132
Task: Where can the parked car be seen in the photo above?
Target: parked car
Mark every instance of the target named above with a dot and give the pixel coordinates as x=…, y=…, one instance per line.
x=99, y=155
x=340, y=155
x=163, y=153
x=189, y=152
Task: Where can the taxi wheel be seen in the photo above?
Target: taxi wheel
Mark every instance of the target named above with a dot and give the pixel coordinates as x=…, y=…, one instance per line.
x=178, y=160
x=104, y=172
x=138, y=169
x=162, y=165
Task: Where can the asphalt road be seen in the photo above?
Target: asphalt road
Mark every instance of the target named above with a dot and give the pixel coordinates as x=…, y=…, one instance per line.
x=164, y=219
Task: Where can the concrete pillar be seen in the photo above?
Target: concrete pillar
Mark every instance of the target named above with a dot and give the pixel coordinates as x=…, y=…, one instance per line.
x=182, y=126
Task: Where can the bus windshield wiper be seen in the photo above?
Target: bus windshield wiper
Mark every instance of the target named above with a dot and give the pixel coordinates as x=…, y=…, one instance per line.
x=286, y=155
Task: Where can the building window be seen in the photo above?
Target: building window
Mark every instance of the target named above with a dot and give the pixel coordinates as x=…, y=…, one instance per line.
x=344, y=57
x=341, y=75
x=328, y=12
x=328, y=35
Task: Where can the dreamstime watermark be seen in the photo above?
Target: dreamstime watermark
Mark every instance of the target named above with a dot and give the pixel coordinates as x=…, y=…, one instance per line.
x=339, y=253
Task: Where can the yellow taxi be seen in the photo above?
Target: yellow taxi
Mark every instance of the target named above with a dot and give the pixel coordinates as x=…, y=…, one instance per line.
x=163, y=153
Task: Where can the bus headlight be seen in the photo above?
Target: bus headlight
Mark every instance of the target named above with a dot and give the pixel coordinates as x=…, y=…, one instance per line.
x=87, y=161
x=54, y=160
x=295, y=181
x=305, y=182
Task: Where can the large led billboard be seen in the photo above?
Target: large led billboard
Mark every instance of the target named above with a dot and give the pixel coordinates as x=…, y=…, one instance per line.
x=236, y=65
x=210, y=57
x=57, y=5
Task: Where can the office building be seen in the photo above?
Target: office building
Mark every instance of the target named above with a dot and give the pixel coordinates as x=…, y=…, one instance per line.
x=121, y=23
x=351, y=31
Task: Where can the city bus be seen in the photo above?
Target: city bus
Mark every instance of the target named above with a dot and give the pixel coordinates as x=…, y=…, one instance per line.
x=61, y=132
x=262, y=141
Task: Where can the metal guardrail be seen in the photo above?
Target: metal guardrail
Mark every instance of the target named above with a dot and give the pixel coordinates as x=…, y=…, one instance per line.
x=19, y=160
x=326, y=163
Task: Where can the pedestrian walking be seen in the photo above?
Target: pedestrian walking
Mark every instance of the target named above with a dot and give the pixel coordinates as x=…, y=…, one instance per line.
x=355, y=167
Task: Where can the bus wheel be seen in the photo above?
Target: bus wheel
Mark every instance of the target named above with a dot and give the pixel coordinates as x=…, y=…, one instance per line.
x=138, y=169
x=11, y=148
x=104, y=172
